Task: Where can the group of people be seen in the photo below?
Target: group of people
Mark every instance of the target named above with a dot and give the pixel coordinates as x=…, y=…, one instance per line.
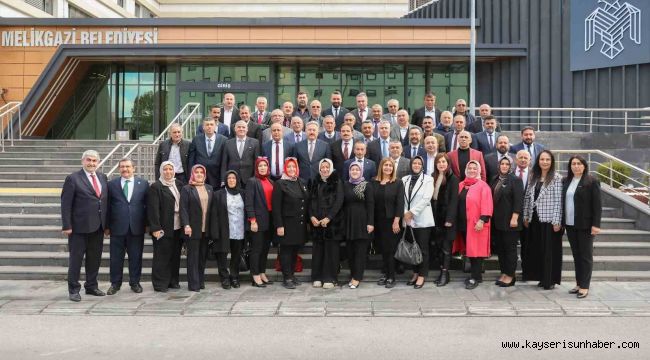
x=357, y=180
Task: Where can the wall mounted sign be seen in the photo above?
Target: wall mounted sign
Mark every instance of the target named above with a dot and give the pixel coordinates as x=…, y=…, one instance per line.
x=47, y=38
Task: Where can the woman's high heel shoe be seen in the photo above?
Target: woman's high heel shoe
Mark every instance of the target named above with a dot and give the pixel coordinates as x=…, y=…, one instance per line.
x=258, y=285
x=511, y=283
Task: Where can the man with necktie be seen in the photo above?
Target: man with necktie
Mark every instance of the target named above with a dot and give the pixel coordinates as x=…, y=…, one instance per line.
x=206, y=150
x=380, y=147
x=492, y=159
x=276, y=150
x=391, y=115
x=528, y=143
x=486, y=140
x=336, y=109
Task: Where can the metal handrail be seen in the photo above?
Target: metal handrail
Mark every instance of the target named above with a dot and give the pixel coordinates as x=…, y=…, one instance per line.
x=195, y=111
x=7, y=111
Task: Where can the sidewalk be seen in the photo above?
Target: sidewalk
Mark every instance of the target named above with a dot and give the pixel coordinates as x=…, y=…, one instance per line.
x=605, y=299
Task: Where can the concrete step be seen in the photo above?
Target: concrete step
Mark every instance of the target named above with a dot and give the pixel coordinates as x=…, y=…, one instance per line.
x=614, y=248
x=24, y=175
x=79, y=149
x=40, y=161
x=30, y=219
x=71, y=142
x=43, y=231
x=617, y=223
x=63, y=154
x=612, y=212
x=27, y=208
x=625, y=235
x=61, y=169
x=19, y=197
x=4, y=183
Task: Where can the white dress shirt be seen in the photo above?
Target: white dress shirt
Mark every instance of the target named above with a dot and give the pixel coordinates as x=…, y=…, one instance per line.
x=279, y=159
x=99, y=184
x=227, y=117
x=122, y=182
x=432, y=114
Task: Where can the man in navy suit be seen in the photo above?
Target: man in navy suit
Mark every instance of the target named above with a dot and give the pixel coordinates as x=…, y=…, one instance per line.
x=380, y=147
x=127, y=204
x=414, y=148
x=215, y=113
x=336, y=109
x=254, y=130
x=329, y=134
x=309, y=152
x=206, y=149
x=277, y=149
x=486, y=140
x=342, y=149
x=84, y=205
x=368, y=167
x=451, y=138
x=528, y=143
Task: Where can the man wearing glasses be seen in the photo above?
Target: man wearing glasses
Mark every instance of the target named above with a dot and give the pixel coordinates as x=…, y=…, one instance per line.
x=461, y=109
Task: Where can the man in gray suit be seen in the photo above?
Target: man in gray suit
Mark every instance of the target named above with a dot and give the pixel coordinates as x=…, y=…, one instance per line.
x=239, y=154
x=362, y=112
x=401, y=131
x=402, y=164
x=276, y=117
x=310, y=151
x=391, y=115
x=261, y=116
x=175, y=149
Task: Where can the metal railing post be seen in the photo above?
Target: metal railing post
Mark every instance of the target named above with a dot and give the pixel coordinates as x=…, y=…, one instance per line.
x=611, y=173
x=625, y=121
x=539, y=114
x=591, y=121
x=571, y=122
x=20, y=126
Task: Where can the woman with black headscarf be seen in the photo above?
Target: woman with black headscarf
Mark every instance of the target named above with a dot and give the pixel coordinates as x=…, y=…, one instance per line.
x=359, y=222
x=227, y=226
x=418, y=190
x=290, y=204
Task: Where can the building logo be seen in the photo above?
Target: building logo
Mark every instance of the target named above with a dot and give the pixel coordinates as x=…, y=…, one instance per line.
x=612, y=21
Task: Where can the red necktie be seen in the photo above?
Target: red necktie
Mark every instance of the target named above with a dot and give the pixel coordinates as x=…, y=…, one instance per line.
x=95, y=185
x=277, y=158
x=259, y=118
x=521, y=173
x=345, y=151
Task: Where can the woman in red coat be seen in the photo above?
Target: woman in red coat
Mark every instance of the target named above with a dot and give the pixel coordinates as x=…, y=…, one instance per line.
x=473, y=221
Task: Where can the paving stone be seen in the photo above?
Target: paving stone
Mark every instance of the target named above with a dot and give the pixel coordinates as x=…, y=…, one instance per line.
x=209, y=308
x=116, y=308
x=490, y=308
x=443, y=308
x=584, y=308
x=161, y=308
x=24, y=307
x=629, y=308
x=349, y=308
x=396, y=308
x=537, y=308
x=302, y=308
x=2, y=302
x=255, y=308
x=67, y=307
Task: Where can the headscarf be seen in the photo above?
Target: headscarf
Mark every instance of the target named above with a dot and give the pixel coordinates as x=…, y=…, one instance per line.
x=259, y=160
x=171, y=184
x=502, y=177
x=416, y=176
x=360, y=179
x=359, y=184
x=237, y=189
x=193, y=181
x=331, y=168
x=468, y=180
x=284, y=174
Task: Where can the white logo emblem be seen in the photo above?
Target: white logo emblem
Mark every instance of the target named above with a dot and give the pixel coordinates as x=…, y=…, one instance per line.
x=611, y=21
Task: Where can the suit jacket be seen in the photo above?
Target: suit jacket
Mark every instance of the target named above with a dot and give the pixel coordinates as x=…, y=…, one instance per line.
x=492, y=165
x=81, y=209
x=160, y=208
x=508, y=199
x=469, y=119
x=418, y=200
x=393, y=199
x=199, y=155
x=163, y=155
x=309, y=169
x=256, y=205
x=341, y=115
x=374, y=150
x=292, y=136
x=319, y=120
x=418, y=116
x=537, y=148
x=219, y=221
x=388, y=117
x=445, y=209
x=337, y=135
x=482, y=143
x=396, y=134
x=191, y=212
x=367, y=114
x=449, y=138
x=124, y=215
x=406, y=151
x=266, y=134
x=244, y=165
x=235, y=116
x=369, y=169
x=289, y=149
x=473, y=155
x=476, y=127
x=254, y=131
x=587, y=203
x=222, y=129
x=403, y=167
x=548, y=203
x=266, y=118
x=337, y=154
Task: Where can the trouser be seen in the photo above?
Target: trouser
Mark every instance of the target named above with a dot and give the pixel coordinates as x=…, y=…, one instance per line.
x=357, y=250
x=288, y=258
x=325, y=260
x=166, y=260
x=89, y=245
x=132, y=245
x=389, y=246
x=582, y=247
x=506, y=247
x=197, y=255
x=260, y=245
x=222, y=265
x=444, y=239
x=236, y=246
x=422, y=237
x=476, y=268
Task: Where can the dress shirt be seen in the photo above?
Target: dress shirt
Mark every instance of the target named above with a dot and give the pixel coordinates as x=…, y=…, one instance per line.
x=209, y=146
x=491, y=140
x=403, y=132
x=570, y=205
x=175, y=158
x=414, y=150
x=241, y=143
x=335, y=112
x=431, y=163
x=384, y=145
x=349, y=144
x=524, y=178
x=130, y=188
x=363, y=114
x=279, y=159
x=328, y=135
x=227, y=117
x=297, y=137
x=99, y=184
x=432, y=114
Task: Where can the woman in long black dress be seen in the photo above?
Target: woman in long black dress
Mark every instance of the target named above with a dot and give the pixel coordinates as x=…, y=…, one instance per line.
x=196, y=198
x=290, y=204
x=444, y=203
x=359, y=222
x=259, y=193
x=388, y=193
x=326, y=200
x=543, y=216
x=508, y=196
x=163, y=213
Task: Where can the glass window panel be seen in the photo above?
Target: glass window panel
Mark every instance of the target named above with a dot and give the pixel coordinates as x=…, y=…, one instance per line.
x=439, y=75
x=308, y=74
x=442, y=97
x=415, y=94
x=259, y=73
x=142, y=112
x=171, y=74
x=459, y=74
x=286, y=75
x=146, y=74
x=415, y=75
x=233, y=73
x=130, y=75
x=286, y=93
x=375, y=95
x=170, y=104
x=394, y=75
x=352, y=85
x=211, y=72
x=458, y=92
x=373, y=76
x=191, y=72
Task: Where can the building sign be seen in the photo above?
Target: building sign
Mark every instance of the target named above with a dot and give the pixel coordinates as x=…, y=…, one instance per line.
x=606, y=33
x=47, y=38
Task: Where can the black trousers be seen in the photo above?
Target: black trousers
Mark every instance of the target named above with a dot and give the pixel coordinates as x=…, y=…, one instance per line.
x=197, y=256
x=444, y=239
x=389, y=246
x=582, y=247
x=166, y=260
x=357, y=255
x=260, y=245
x=89, y=245
x=422, y=236
x=325, y=260
x=525, y=257
x=222, y=265
x=128, y=244
x=476, y=268
x=288, y=257
x=236, y=247
x=506, y=248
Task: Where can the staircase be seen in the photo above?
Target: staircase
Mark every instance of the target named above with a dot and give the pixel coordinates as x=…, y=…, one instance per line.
x=32, y=247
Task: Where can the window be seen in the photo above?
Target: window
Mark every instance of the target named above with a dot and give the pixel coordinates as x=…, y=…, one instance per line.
x=43, y=5
x=120, y=3
x=76, y=13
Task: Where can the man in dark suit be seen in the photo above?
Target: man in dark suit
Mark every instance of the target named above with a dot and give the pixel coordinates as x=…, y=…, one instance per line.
x=361, y=113
x=301, y=109
x=297, y=130
x=486, y=140
x=429, y=109
x=451, y=138
x=206, y=149
x=415, y=147
x=528, y=143
x=379, y=148
x=254, y=130
x=368, y=167
x=342, y=149
x=310, y=151
x=336, y=109
x=215, y=113
x=276, y=150
x=492, y=159
x=261, y=116
x=239, y=154
x=229, y=112
x=402, y=164
x=287, y=110
x=175, y=149
x=430, y=153
x=329, y=134
x=127, y=204
x=276, y=117
x=461, y=109
x=84, y=205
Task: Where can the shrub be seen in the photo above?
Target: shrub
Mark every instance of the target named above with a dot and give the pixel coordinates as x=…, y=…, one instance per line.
x=620, y=173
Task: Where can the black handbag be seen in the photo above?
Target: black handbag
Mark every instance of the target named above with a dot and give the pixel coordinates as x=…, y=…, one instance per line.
x=408, y=252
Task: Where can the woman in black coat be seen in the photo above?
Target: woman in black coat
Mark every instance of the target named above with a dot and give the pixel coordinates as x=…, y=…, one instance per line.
x=326, y=200
x=582, y=209
x=163, y=214
x=507, y=219
x=227, y=219
x=259, y=193
x=444, y=204
x=290, y=204
x=388, y=193
x=359, y=207
x=196, y=199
